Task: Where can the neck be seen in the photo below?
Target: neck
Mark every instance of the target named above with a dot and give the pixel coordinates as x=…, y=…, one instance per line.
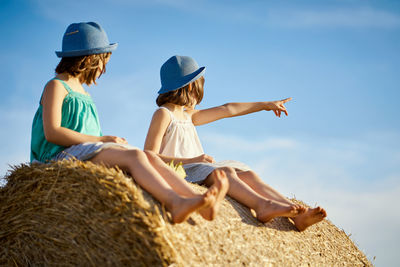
x=174, y=107
x=68, y=78
x=73, y=82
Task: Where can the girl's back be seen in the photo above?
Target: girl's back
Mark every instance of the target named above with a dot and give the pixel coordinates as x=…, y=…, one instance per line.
x=79, y=113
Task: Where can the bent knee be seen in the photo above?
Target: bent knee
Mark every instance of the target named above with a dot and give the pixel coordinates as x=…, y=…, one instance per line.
x=249, y=173
x=227, y=170
x=135, y=153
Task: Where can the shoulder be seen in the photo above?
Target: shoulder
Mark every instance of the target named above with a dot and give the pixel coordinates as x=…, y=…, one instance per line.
x=54, y=83
x=54, y=89
x=55, y=86
x=159, y=122
x=162, y=115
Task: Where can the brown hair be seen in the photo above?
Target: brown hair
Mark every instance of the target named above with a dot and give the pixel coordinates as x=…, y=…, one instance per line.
x=183, y=96
x=85, y=66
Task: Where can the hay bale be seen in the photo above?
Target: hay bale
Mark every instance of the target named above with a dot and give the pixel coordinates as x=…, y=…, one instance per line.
x=75, y=213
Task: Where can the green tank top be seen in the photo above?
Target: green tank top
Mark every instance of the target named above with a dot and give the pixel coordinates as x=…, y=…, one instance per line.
x=78, y=113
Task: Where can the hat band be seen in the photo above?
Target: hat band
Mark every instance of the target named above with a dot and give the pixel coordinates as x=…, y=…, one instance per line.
x=86, y=52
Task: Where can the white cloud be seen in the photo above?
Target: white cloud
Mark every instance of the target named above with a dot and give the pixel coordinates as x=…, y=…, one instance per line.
x=368, y=216
x=15, y=136
x=224, y=141
x=358, y=189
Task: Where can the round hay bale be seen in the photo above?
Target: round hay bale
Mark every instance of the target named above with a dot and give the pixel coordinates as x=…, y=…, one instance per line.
x=75, y=213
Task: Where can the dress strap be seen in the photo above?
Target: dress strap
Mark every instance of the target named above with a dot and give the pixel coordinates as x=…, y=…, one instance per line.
x=170, y=113
x=66, y=86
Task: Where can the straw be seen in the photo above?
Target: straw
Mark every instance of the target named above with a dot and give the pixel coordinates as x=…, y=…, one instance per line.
x=72, y=213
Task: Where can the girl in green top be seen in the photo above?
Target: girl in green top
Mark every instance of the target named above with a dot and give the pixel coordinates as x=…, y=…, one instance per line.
x=66, y=125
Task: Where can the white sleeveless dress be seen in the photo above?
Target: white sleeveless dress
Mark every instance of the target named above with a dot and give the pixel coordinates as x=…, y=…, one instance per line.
x=182, y=141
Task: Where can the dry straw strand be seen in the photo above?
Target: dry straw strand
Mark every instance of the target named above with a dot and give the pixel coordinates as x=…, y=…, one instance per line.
x=70, y=213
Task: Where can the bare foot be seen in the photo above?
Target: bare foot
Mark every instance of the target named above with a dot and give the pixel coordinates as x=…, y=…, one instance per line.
x=308, y=218
x=182, y=207
x=221, y=185
x=271, y=209
x=300, y=208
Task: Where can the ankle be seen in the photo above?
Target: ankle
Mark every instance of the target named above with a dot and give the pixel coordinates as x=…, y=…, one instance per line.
x=262, y=204
x=172, y=200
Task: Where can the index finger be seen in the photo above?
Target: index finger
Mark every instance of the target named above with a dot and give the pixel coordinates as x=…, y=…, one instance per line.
x=286, y=99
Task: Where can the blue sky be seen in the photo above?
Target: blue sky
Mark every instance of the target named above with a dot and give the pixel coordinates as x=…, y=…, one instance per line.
x=339, y=60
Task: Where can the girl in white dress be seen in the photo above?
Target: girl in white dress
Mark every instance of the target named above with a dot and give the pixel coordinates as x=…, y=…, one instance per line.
x=173, y=136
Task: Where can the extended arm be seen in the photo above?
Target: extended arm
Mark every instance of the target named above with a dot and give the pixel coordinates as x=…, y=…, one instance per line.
x=52, y=100
x=204, y=116
x=158, y=126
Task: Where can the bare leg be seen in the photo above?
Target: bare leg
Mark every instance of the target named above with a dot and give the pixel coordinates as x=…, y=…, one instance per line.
x=306, y=217
x=266, y=209
x=221, y=181
x=136, y=163
x=220, y=185
x=255, y=182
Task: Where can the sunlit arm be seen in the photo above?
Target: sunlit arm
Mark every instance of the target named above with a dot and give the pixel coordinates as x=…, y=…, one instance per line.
x=52, y=100
x=204, y=116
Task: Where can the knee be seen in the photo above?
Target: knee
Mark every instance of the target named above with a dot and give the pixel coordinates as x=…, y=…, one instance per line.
x=250, y=176
x=212, y=176
x=135, y=154
x=228, y=170
x=151, y=155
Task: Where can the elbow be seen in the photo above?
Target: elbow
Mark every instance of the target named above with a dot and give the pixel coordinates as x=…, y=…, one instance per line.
x=50, y=135
x=150, y=151
x=50, y=138
x=228, y=109
x=153, y=155
x=226, y=105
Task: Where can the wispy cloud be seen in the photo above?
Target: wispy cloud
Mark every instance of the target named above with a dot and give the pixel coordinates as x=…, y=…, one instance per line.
x=300, y=17
x=14, y=137
x=361, y=17
x=345, y=176
x=273, y=15
x=224, y=141
x=265, y=14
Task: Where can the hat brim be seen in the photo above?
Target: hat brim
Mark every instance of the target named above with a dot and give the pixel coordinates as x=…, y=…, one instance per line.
x=77, y=53
x=183, y=81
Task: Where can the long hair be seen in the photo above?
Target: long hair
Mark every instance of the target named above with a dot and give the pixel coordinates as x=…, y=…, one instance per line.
x=85, y=66
x=183, y=96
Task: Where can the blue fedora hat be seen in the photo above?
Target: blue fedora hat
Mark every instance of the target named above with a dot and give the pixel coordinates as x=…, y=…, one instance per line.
x=85, y=38
x=177, y=72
